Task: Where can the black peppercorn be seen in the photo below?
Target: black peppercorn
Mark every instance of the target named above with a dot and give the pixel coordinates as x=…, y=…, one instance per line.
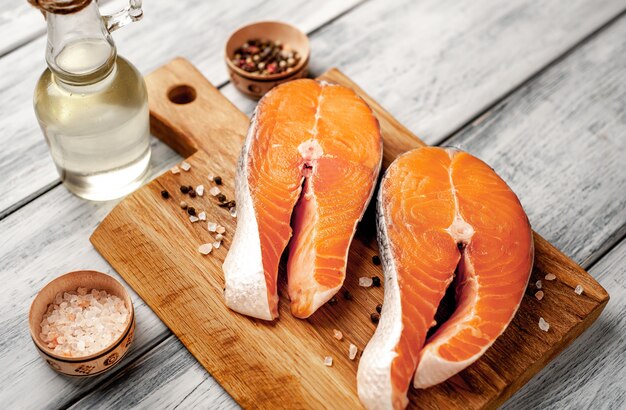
x=192, y=193
x=347, y=295
x=379, y=308
x=165, y=194
x=218, y=180
x=376, y=281
x=332, y=301
x=191, y=210
x=221, y=197
x=375, y=317
x=376, y=260
x=184, y=189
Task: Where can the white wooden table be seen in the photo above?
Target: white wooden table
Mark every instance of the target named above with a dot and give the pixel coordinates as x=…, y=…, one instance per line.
x=537, y=88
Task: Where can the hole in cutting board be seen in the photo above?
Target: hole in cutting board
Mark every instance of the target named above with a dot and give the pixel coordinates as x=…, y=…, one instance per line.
x=182, y=94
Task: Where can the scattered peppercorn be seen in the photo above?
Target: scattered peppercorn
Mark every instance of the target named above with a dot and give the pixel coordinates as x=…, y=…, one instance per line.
x=332, y=301
x=165, y=194
x=183, y=204
x=184, y=189
x=376, y=281
x=218, y=180
x=347, y=295
x=375, y=317
x=376, y=260
x=221, y=197
x=228, y=204
x=379, y=308
x=192, y=193
x=265, y=57
x=191, y=210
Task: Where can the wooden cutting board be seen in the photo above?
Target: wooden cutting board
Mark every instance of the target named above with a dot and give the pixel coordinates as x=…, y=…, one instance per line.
x=153, y=245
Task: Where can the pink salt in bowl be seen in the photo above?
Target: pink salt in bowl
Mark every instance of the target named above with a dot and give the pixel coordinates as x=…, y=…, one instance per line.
x=94, y=363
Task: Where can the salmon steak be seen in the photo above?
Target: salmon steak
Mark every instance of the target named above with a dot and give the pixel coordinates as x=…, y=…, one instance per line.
x=306, y=173
x=442, y=215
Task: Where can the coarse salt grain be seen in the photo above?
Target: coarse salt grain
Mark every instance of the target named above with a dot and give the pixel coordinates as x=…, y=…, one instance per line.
x=185, y=166
x=550, y=276
x=80, y=323
x=175, y=170
x=220, y=229
x=212, y=226
x=211, y=177
x=328, y=361
x=543, y=325
x=233, y=212
x=217, y=244
x=538, y=284
x=200, y=190
x=365, y=281
x=337, y=334
x=215, y=191
x=578, y=290
x=202, y=216
x=205, y=248
x=539, y=295
x=352, y=351
x=219, y=237
x=194, y=218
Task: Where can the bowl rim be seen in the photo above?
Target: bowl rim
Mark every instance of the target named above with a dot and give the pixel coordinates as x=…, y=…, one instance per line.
x=45, y=350
x=273, y=77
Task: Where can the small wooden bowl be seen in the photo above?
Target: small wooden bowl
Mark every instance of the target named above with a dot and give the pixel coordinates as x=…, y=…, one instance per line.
x=255, y=85
x=98, y=362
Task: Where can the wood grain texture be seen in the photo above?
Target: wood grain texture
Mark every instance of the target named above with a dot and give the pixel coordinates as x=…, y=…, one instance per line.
x=589, y=374
x=25, y=163
x=185, y=288
x=560, y=143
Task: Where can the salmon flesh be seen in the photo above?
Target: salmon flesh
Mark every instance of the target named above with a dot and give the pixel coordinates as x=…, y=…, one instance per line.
x=440, y=213
x=306, y=173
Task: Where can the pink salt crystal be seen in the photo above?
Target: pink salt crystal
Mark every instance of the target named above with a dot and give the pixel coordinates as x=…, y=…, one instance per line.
x=211, y=177
x=220, y=229
x=233, y=212
x=175, y=170
x=352, y=351
x=337, y=334
x=550, y=276
x=365, y=281
x=185, y=166
x=200, y=190
x=539, y=295
x=543, y=325
x=194, y=218
x=578, y=290
x=214, y=191
x=328, y=361
x=212, y=226
x=205, y=248
x=216, y=244
x=538, y=284
x=202, y=216
x=219, y=237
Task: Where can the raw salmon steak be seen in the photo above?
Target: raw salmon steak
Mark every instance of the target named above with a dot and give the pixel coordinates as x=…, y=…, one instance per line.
x=442, y=212
x=308, y=169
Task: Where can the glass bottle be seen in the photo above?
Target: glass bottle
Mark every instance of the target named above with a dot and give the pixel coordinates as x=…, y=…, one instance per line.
x=92, y=104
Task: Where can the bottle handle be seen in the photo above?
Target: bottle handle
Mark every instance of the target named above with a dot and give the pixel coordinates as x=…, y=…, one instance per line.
x=132, y=12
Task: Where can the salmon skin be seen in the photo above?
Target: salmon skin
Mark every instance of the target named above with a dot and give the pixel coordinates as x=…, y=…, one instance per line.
x=442, y=211
x=308, y=168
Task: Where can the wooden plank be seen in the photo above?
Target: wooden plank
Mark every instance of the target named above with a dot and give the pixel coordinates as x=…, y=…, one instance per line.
x=25, y=163
x=185, y=289
x=590, y=373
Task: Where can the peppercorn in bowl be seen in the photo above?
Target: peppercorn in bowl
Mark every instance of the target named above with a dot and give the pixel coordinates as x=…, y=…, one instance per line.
x=259, y=56
x=82, y=323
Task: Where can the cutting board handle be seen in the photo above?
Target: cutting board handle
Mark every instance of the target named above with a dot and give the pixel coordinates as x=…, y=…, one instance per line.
x=188, y=113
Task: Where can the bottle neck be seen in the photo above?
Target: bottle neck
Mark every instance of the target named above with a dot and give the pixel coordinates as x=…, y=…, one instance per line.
x=80, y=49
